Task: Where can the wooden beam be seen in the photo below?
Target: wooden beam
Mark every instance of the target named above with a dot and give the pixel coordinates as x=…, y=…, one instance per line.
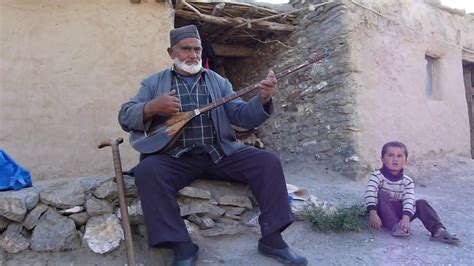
x=231, y=50
x=179, y=5
x=468, y=55
x=231, y=22
x=217, y=11
x=248, y=14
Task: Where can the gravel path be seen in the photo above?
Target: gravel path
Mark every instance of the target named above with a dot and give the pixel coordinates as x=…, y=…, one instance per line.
x=449, y=188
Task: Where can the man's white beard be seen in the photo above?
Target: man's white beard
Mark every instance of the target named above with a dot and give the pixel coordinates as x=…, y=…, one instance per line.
x=191, y=69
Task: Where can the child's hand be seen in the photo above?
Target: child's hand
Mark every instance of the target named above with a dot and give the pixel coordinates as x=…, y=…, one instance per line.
x=405, y=223
x=375, y=221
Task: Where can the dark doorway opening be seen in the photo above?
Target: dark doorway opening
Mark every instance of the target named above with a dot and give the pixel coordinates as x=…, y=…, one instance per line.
x=468, y=73
x=232, y=32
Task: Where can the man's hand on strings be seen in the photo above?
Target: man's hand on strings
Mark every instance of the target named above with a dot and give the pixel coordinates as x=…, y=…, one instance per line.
x=267, y=87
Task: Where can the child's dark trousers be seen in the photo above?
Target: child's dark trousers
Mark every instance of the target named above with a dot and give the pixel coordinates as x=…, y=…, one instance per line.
x=391, y=212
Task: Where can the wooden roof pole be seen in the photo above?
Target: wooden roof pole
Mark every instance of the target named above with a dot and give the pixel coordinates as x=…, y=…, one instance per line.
x=248, y=14
x=232, y=22
x=231, y=50
x=217, y=11
x=310, y=7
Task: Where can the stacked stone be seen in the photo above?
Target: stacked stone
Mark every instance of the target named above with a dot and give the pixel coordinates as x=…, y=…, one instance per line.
x=210, y=208
x=58, y=216
x=315, y=115
x=63, y=215
x=218, y=208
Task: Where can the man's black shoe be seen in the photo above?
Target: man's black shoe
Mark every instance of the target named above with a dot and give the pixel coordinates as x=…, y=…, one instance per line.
x=284, y=255
x=187, y=262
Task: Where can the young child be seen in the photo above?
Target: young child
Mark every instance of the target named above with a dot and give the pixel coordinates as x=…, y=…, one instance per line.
x=390, y=198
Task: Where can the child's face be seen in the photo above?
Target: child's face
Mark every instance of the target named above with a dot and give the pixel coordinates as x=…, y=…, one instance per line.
x=394, y=159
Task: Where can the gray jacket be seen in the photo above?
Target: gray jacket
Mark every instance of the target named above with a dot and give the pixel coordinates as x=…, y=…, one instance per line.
x=249, y=114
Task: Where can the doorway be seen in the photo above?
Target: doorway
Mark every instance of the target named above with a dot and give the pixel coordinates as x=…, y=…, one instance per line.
x=468, y=73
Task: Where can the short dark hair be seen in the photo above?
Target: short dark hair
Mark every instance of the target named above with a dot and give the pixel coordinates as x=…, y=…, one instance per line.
x=396, y=144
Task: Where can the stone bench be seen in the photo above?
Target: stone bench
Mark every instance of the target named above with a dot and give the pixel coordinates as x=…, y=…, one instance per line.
x=61, y=215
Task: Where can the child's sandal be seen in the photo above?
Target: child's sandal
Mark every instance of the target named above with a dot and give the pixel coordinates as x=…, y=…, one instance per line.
x=398, y=232
x=445, y=237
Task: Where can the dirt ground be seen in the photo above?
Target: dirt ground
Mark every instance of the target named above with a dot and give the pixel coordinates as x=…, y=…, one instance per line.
x=448, y=186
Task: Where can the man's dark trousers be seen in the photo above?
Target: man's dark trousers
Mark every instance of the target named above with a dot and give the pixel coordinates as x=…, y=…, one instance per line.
x=159, y=177
x=391, y=212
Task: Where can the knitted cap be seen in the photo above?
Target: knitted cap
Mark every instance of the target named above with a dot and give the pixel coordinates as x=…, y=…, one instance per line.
x=178, y=34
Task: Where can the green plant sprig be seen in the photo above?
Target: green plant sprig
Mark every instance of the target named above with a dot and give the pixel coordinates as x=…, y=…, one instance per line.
x=342, y=220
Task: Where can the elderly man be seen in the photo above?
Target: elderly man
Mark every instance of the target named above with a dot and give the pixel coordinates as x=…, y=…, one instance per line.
x=206, y=148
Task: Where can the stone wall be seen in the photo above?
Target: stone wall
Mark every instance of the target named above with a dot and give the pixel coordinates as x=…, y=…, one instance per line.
x=314, y=109
x=371, y=89
x=83, y=214
x=64, y=215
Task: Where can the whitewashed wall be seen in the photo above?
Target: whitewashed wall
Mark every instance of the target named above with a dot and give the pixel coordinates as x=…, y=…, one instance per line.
x=389, y=62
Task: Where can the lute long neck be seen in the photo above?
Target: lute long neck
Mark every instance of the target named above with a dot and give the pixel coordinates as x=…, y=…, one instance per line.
x=253, y=87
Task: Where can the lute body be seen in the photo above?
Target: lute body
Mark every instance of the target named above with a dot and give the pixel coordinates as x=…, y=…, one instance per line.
x=162, y=133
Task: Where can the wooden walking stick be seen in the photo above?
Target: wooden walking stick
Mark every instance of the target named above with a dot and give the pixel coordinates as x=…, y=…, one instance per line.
x=114, y=143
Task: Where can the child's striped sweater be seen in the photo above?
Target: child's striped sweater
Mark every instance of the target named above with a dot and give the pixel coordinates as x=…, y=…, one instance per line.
x=402, y=189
